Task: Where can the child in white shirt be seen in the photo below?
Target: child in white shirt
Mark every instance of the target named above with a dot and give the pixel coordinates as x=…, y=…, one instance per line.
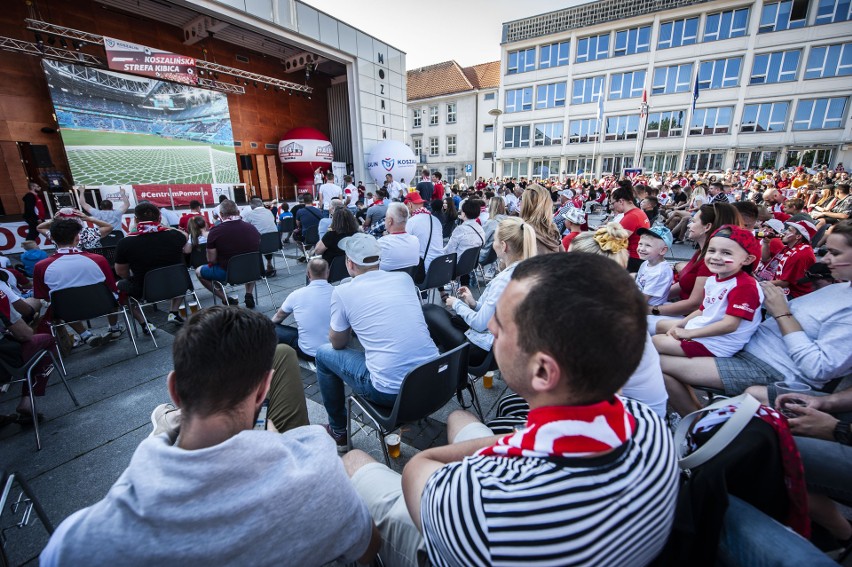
x=655, y=274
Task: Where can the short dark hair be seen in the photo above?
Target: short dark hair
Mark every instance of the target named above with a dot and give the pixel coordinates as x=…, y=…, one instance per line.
x=472, y=208
x=194, y=204
x=438, y=175
x=64, y=231
x=746, y=208
x=212, y=370
x=592, y=314
x=843, y=188
x=147, y=212
x=623, y=193
x=106, y=205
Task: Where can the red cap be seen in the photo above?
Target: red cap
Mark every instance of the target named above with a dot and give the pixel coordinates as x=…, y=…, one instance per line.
x=414, y=197
x=741, y=236
x=807, y=229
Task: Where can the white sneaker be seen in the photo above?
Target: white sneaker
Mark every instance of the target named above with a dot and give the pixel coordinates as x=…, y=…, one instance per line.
x=166, y=419
x=148, y=329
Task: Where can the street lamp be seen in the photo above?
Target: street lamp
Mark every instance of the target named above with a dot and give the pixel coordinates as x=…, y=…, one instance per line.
x=495, y=112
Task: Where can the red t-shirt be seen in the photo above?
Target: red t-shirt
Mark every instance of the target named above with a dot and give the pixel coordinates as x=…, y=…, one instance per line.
x=794, y=267
x=566, y=240
x=633, y=220
x=184, y=220
x=694, y=269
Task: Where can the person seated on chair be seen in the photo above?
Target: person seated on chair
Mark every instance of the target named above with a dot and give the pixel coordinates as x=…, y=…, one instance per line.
x=232, y=237
x=264, y=221
x=589, y=475
x=307, y=218
x=374, y=218
x=151, y=246
x=468, y=234
x=399, y=249
x=284, y=213
x=392, y=332
x=89, y=237
x=343, y=224
x=325, y=222
x=311, y=308
x=514, y=241
x=207, y=488
x=108, y=211
x=194, y=211
x=18, y=344
x=69, y=267
x=425, y=226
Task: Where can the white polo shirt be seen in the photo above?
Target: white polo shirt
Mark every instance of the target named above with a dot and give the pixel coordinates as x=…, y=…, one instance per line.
x=399, y=251
x=418, y=225
x=329, y=191
x=311, y=307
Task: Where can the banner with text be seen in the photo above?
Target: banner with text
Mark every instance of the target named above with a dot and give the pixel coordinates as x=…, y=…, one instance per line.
x=181, y=194
x=127, y=57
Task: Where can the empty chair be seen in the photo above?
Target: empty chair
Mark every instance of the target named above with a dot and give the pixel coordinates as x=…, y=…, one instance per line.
x=165, y=284
x=441, y=272
x=424, y=390
x=270, y=243
x=243, y=269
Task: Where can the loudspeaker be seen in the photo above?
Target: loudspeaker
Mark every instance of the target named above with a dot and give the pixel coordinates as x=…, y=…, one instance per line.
x=245, y=162
x=41, y=156
x=240, y=195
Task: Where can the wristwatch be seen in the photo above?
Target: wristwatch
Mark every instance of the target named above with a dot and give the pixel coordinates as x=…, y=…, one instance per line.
x=655, y=310
x=842, y=434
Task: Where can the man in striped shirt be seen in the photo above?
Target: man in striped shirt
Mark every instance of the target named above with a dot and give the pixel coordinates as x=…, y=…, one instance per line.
x=590, y=480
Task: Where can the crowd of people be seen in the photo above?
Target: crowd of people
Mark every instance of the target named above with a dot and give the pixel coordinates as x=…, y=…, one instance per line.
x=603, y=349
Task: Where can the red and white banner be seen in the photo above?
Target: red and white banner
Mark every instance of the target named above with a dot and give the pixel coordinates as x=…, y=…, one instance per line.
x=180, y=195
x=127, y=57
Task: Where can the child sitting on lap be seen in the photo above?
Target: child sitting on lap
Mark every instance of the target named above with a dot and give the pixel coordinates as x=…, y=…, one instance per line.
x=655, y=274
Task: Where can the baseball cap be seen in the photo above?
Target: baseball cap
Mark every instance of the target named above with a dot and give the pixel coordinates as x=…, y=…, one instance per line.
x=574, y=215
x=807, y=229
x=361, y=248
x=661, y=232
x=414, y=197
x=775, y=225
x=741, y=236
x=567, y=193
x=816, y=272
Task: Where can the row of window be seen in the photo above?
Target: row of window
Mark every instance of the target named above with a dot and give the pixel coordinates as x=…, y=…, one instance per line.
x=433, y=115
x=435, y=146
x=775, y=16
x=811, y=114
x=777, y=67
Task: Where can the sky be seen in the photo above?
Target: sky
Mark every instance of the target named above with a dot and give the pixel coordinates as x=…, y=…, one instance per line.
x=433, y=31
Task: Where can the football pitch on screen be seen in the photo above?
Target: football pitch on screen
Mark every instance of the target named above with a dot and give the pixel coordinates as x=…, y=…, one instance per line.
x=114, y=158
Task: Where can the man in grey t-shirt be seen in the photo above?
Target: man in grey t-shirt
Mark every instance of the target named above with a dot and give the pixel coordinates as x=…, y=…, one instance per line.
x=108, y=212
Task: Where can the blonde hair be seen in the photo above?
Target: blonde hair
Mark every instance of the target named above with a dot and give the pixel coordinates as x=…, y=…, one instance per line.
x=518, y=236
x=537, y=210
x=698, y=192
x=609, y=241
x=29, y=245
x=496, y=206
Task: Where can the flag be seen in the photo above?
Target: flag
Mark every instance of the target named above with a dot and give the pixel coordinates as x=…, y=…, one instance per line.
x=695, y=94
x=600, y=106
x=643, y=109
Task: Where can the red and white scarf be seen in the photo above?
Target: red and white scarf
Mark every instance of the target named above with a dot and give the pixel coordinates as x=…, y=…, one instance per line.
x=568, y=431
x=421, y=211
x=144, y=227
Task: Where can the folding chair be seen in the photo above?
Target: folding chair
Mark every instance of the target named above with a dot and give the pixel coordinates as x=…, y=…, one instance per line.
x=310, y=239
x=82, y=303
x=24, y=373
x=466, y=264
x=474, y=373
x=270, y=243
x=164, y=284
x=337, y=270
x=410, y=270
x=441, y=272
x=424, y=390
x=243, y=269
x=198, y=256
x=490, y=258
x=286, y=226
x=26, y=502
x=107, y=252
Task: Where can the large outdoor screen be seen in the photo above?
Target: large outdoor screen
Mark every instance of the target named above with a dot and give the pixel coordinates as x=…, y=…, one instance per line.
x=122, y=129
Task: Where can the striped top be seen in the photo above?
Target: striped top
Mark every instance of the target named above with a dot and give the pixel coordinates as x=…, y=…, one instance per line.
x=615, y=509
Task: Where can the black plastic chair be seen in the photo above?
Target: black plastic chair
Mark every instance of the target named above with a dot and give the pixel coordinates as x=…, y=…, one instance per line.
x=164, y=284
x=490, y=258
x=424, y=390
x=286, y=226
x=270, y=243
x=310, y=237
x=466, y=263
x=107, y=252
x=441, y=272
x=337, y=270
x=410, y=270
x=24, y=373
x=82, y=303
x=243, y=269
x=474, y=373
x=25, y=503
x=198, y=256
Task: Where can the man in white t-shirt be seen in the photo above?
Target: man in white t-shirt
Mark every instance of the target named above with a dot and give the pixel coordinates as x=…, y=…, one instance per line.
x=398, y=248
x=393, y=187
x=329, y=191
x=350, y=194
x=392, y=332
x=422, y=224
x=311, y=308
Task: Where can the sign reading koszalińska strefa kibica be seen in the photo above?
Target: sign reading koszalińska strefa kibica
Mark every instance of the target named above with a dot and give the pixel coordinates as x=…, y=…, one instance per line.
x=127, y=57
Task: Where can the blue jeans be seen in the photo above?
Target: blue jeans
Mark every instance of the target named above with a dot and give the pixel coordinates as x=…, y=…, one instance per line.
x=214, y=272
x=334, y=367
x=289, y=335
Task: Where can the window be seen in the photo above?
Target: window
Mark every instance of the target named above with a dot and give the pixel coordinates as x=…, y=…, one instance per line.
x=593, y=48
x=518, y=100
x=582, y=131
x=622, y=127
x=579, y=166
x=516, y=137
x=451, y=113
x=614, y=164
x=829, y=61
x=753, y=160
x=587, y=90
x=487, y=155
x=673, y=79
x=418, y=149
x=786, y=15
x=778, y=67
x=665, y=124
x=451, y=175
x=516, y=168
x=521, y=61
x=677, y=33
x=627, y=85
x=634, y=40
x=553, y=55
x=830, y=11
x=819, y=113
x=418, y=118
x=433, y=116
x=808, y=157
x=765, y=117
x=719, y=74
x=545, y=168
x=724, y=25
x=433, y=146
x=550, y=96
x=709, y=121
x=451, y=145
x=488, y=128
x=705, y=161
x=660, y=162
x=489, y=96
x=548, y=134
